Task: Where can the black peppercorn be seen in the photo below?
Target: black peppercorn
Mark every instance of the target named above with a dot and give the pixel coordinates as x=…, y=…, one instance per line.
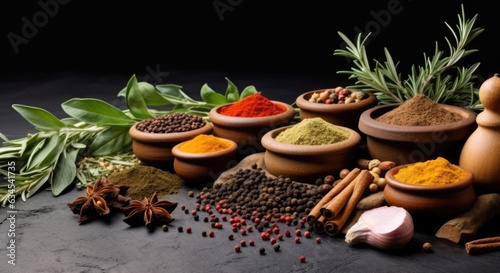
x=180, y=229
x=262, y=250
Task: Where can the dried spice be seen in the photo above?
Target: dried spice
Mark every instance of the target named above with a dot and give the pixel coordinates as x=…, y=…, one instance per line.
x=419, y=111
x=173, y=123
x=254, y=105
x=143, y=181
x=204, y=144
x=101, y=196
x=313, y=131
x=149, y=212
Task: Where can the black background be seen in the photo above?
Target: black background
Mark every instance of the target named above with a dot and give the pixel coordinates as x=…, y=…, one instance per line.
x=246, y=36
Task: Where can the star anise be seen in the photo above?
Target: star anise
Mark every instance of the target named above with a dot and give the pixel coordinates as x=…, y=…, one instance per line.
x=101, y=196
x=149, y=212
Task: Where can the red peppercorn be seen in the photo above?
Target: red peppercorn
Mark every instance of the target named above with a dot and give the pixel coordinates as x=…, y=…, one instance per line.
x=280, y=237
x=282, y=218
x=273, y=241
x=183, y=207
x=243, y=243
x=251, y=242
x=212, y=215
x=249, y=228
x=218, y=208
x=254, y=213
x=268, y=217
x=302, y=258
x=256, y=220
x=221, y=202
x=318, y=240
x=237, y=248
x=297, y=240
x=211, y=233
x=188, y=229
x=193, y=212
x=229, y=211
x=276, y=230
x=307, y=234
x=243, y=231
x=235, y=228
x=287, y=233
x=243, y=222
x=224, y=218
x=298, y=232
x=265, y=236
x=288, y=219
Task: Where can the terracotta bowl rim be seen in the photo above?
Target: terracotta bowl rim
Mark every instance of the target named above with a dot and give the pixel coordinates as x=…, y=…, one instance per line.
x=462, y=184
x=303, y=103
x=371, y=127
x=272, y=145
x=202, y=156
x=230, y=121
x=167, y=137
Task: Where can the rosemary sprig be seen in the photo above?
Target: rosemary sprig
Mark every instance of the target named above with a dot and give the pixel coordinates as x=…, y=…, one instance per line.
x=435, y=78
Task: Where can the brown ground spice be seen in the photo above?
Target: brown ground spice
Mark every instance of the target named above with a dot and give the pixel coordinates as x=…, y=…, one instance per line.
x=146, y=180
x=419, y=111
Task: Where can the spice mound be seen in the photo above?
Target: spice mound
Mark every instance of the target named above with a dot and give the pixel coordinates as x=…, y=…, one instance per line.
x=254, y=105
x=174, y=123
x=144, y=181
x=313, y=131
x=204, y=144
x=419, y=111
x=431, y=173
x=337, y=95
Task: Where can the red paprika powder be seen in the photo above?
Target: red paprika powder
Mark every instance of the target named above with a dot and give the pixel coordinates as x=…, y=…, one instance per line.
x=254, y=105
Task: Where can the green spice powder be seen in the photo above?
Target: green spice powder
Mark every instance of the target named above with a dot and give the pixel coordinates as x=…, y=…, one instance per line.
x=313, y=131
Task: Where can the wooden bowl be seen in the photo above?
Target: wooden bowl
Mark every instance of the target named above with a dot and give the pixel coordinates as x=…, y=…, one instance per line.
x=410, y=144
x=306, y=163
x=248, y=131
x=346, y=115
x=441, y=200
x=155, y=149
x=199, y=168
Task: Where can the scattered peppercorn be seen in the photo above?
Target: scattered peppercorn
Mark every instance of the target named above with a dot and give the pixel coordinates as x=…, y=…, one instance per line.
x=307, y=234
x=164, y=227
x=280, y=237
x=196, y=217
x=251, y=242
x=186, y=211
x=302, y=258
x=190, y=193
x=237, y=248
x=318, y=240
x=211, y=233
x=288, y=233
x=204, y=233
x=230, y=237
x=273, y=241
x=188, y=229
x=180, y=229
x=297, y=240
x=276, y=246
x=262, y=251
x=427, y=247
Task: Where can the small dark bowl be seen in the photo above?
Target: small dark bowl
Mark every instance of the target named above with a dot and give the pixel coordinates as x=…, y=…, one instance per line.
x=346, y=115
x=156, y=149
x=441, y=200
x=409, y=144
x=200, y=168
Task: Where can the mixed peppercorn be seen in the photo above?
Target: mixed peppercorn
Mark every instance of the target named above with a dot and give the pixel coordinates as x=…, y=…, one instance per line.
x=174, y=123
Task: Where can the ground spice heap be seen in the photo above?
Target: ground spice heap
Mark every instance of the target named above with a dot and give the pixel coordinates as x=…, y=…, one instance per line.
x=254, y=105
x=431, y=173
x=253, y=195
x=173, y=123
x=204, y=144
x=419, y=111
x=144, y=181
x=313, y=131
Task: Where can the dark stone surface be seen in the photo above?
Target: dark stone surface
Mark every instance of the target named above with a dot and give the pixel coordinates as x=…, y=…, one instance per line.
x=49, y=238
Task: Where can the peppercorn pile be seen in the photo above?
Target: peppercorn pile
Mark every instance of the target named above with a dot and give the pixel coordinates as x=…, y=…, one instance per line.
x=174, y=123
x=252, y=194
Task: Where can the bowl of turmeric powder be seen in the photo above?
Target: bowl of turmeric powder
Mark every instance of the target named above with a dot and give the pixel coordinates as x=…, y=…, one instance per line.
x=431, y=187
x=203, y=158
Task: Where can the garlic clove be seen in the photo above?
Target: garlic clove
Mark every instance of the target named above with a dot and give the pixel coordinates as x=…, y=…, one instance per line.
x=384, y=227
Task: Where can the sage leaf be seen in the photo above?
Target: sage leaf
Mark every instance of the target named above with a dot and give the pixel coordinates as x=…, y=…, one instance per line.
x=3, y=137
x=249, y=90
x=210, y=96
x=113, y=140
x=49, y=153
x=170, y=90
x=232, y=93
x=38, y=181
x=149, y=93
x=42, y=119
x=96, y=112
x=64, y=172
x=135, y=102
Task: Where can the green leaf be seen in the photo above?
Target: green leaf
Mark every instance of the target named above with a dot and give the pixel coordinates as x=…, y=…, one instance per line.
x=96, y=112
x=49, y=153
x=135, y=102
x=113, y=140
x=170, y=90
x=210, y=96
x=42, y=119
x=64, y=172
x=149, y=93
x=232, y=93
x=249, y=90
x=38, y=181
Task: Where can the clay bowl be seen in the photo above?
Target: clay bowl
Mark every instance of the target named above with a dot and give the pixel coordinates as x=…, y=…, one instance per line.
x=199, y=168
x=440, y=200
x=410, y=144
x=306, y=163
x=156, y=149
x=346, y=115
x=248, y=131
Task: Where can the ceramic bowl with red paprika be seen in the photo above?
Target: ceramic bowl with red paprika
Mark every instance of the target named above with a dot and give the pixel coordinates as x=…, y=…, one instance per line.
x=246, y=121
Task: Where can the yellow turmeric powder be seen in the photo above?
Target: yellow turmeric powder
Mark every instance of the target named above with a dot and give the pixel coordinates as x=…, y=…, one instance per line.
x=204, y=144
x=431, y=173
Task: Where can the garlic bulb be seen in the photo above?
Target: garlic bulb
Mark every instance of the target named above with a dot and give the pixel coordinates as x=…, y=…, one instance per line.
x=384, y=227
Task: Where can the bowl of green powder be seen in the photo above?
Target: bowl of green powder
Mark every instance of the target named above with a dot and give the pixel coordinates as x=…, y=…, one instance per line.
x=310, y=149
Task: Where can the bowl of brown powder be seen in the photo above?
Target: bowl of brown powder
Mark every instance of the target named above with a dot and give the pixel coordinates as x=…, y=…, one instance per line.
x=416, y=130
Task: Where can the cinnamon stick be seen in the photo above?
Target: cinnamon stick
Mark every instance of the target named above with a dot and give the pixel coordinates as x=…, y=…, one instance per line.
x=483, y=245
x=463, y=228
x=316, y=211
x=333, y=227
x=319, y=225
x=332, y=208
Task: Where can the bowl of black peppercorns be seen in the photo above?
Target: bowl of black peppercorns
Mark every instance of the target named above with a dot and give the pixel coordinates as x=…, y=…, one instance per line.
x=153, y=139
